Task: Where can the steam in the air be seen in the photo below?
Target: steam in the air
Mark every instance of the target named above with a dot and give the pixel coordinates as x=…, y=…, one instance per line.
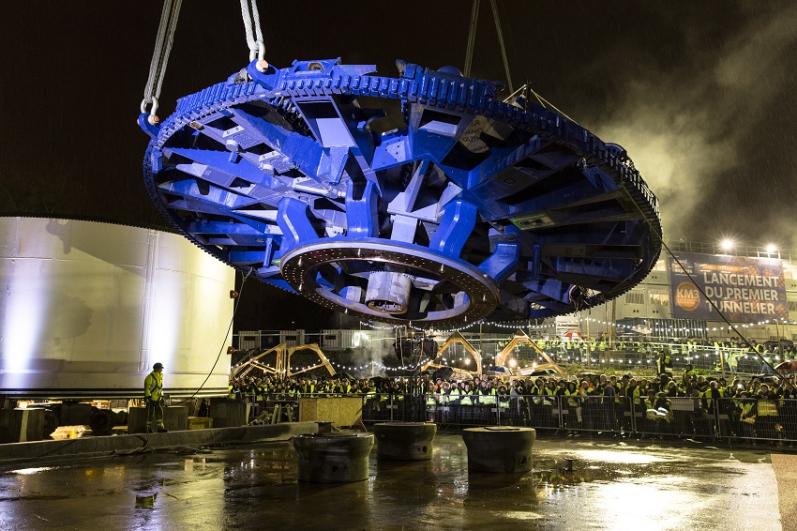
x=690, y=129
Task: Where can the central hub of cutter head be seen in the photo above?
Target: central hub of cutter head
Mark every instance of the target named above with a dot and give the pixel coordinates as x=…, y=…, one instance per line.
x=390, y=282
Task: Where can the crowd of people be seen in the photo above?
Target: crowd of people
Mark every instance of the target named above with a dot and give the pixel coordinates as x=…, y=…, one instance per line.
x=784, y=349
x=686, y=404
x=732, y=355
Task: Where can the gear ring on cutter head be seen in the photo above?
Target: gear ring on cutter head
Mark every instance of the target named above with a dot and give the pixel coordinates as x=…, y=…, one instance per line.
x=325, y=154
x=477, y=292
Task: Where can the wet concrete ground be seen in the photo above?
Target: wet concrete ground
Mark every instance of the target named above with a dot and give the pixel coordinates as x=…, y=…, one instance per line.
x=614, y=485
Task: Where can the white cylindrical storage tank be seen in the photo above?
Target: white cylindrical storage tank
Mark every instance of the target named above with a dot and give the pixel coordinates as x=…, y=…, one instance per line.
x=87, y=308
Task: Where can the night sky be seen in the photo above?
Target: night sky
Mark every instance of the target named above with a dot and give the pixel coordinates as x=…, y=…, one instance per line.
x=701, y=94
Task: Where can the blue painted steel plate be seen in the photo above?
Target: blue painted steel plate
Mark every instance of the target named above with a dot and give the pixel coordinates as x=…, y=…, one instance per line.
x=421, y=198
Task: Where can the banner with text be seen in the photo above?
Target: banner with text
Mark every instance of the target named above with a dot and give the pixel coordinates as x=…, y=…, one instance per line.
x=745, y=289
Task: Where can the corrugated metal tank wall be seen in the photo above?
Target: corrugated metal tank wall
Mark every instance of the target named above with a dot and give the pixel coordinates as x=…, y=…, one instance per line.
x=88, y=305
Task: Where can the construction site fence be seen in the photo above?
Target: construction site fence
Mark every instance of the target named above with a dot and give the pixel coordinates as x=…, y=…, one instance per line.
x=683, y=417
x=679, y=417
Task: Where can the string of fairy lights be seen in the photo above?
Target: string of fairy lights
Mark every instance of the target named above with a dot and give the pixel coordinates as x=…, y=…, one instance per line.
x=526, y=325
x=466, y=362
x=623, y=326
x=380, y=366
x=349, y=367
x=710, y=357
x=562, y=353
x=508, y=325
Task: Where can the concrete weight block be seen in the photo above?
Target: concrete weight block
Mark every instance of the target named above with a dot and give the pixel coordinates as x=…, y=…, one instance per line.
x=333, y=458
x=498, y=449
x=405, y=441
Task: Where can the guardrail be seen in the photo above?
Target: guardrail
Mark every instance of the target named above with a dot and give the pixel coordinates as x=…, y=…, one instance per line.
x=759, y=419
x=683, y=417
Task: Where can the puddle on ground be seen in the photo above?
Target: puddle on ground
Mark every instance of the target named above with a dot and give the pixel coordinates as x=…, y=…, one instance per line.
x=608, y=486
x=29, y=471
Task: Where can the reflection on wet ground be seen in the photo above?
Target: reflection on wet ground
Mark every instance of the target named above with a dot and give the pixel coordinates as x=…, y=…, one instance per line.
x=611, y=485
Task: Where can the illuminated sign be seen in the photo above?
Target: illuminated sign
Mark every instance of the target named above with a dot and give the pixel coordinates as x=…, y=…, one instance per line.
x=745, y=289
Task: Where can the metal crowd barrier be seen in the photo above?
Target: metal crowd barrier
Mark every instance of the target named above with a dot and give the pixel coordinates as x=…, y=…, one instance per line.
x=685, y=417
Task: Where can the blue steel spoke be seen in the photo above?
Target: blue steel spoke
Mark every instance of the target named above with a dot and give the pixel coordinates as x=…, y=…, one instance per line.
x=460, y=206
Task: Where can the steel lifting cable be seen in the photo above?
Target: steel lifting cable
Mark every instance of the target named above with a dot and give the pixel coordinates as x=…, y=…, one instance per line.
x=160, y=57
x=474, y=21
x=546, y=103
x=526, y=87
x=697, y=286
x=261, y=46
x=719, y=312
x=254, y=33
x=497, y=19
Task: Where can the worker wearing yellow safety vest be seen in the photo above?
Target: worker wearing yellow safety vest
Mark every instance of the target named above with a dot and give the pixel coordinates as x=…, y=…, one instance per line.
x=575, y=398
x=747, y=413
x=746, y=406
x=488, y=395
x=649, y=405
x=549, y=391
x=466, y=399
x=664, y=363
x=261, y=390
x=153, y=395
x=766, y=410
x=711, y=394
x=432, y=398
x=453, y=394
x=503, y=397
x=570, y=392
x=638, y=396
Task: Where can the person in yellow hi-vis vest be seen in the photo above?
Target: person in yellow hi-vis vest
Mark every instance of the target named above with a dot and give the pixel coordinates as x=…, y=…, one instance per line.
x=153, y=395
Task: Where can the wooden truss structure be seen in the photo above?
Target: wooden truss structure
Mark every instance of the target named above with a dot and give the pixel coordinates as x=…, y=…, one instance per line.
x=456, y=339
x=281, y=363
x=520, y=339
